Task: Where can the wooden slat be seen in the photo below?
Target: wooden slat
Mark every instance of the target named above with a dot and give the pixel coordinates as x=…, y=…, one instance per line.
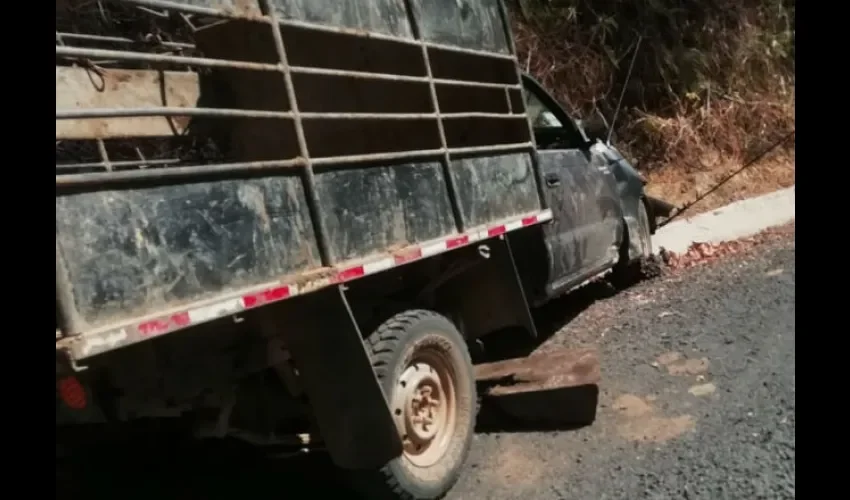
x=78, y=88
x=541, y=372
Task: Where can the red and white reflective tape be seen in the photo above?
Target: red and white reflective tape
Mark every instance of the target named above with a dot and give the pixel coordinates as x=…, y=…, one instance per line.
x=96, y=342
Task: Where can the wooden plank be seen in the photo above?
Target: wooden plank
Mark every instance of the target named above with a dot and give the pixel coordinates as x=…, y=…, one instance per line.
x=78, y=88
x=541, y=372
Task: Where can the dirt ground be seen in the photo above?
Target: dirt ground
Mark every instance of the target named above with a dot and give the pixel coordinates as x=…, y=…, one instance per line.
x=697, y=399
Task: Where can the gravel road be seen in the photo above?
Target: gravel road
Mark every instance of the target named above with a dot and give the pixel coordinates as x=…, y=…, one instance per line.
x=698, y=395
x=697, y=401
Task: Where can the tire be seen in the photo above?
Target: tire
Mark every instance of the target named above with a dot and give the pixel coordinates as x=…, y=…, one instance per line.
x=629, y=271
x=422, y=350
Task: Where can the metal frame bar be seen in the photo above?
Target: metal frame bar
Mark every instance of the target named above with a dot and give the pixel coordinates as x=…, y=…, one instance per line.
x=295, y=69
x=128, y=55
x=535, y=159
x=61, y=36
x=309, y=178
x=207, y=62
x=122, y=176
x=446, y=160
x=284, y=68
x=207, y=11
x=90, y=113
x=67, y=316
x=118, y=164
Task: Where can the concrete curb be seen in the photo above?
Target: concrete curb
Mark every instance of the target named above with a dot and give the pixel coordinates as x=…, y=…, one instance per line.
x=736, y=220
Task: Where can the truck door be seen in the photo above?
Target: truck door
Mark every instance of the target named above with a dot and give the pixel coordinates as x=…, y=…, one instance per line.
x=581, y=191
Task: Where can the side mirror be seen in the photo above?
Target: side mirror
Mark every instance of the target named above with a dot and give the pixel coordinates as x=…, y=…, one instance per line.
x=595, y=128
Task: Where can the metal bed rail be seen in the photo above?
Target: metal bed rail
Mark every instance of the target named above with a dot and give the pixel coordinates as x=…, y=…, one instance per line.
x=264, y=12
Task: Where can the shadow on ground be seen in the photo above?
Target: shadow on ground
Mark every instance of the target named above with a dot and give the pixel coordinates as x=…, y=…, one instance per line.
x=561, y=409
x=167, y=469
x=548, y=320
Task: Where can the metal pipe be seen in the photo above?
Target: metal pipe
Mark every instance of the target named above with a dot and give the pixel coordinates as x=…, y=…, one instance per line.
x=477, y=114
x=407, y=116
x=446, y=162
x=104, y=156
x=117, y=164
x=99, y=178
x=376, y=157
x=117, y=39
x=322, y=238
x=125, y=55
x=416, y=40
x=271, y=15
x=91, y=113
x=307, y=70
x=470, y=83
x=399, y=78
x=535, y=159
x=188, y=8
x=67, y=316
x=497, y=148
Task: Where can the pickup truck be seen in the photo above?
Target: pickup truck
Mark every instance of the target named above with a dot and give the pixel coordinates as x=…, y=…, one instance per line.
x=284, y=218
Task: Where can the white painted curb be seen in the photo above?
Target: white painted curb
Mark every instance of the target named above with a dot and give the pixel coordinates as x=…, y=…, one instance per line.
x=736, y=220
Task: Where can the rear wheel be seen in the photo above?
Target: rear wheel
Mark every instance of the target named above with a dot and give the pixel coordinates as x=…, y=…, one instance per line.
x=424, y=368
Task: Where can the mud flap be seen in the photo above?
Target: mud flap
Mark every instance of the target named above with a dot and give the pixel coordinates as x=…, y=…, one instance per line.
x=348, y=404
x=553, y=387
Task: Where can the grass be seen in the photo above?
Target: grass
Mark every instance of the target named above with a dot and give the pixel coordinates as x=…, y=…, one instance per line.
x=712, y=84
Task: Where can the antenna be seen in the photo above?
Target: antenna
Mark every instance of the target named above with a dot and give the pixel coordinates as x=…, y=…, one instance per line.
x=623, y=91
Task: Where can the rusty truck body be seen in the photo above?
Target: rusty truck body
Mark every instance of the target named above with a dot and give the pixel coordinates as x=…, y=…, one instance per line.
x=280, y=217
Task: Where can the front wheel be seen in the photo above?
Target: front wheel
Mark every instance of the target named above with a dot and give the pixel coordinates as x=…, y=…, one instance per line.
x=424, y=368
x=631, y=270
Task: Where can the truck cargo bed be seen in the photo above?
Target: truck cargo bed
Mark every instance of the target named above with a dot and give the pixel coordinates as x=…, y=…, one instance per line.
x=287, y=145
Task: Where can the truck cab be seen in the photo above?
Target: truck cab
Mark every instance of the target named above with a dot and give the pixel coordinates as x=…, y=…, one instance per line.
x=600, y=212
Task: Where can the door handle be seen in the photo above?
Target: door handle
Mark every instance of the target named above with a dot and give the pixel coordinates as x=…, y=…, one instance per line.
x=553, y=180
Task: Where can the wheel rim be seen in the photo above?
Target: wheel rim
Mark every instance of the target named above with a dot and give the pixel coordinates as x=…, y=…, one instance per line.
x=424, y=407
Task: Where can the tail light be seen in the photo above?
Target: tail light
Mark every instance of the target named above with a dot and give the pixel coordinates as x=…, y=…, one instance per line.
x=72, y=393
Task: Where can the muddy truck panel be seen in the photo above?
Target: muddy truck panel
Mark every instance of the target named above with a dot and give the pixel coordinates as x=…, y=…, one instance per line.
x=242, y=153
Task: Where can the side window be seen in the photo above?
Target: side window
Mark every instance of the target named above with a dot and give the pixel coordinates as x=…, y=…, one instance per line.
x=550, y=129
x=540, y=116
